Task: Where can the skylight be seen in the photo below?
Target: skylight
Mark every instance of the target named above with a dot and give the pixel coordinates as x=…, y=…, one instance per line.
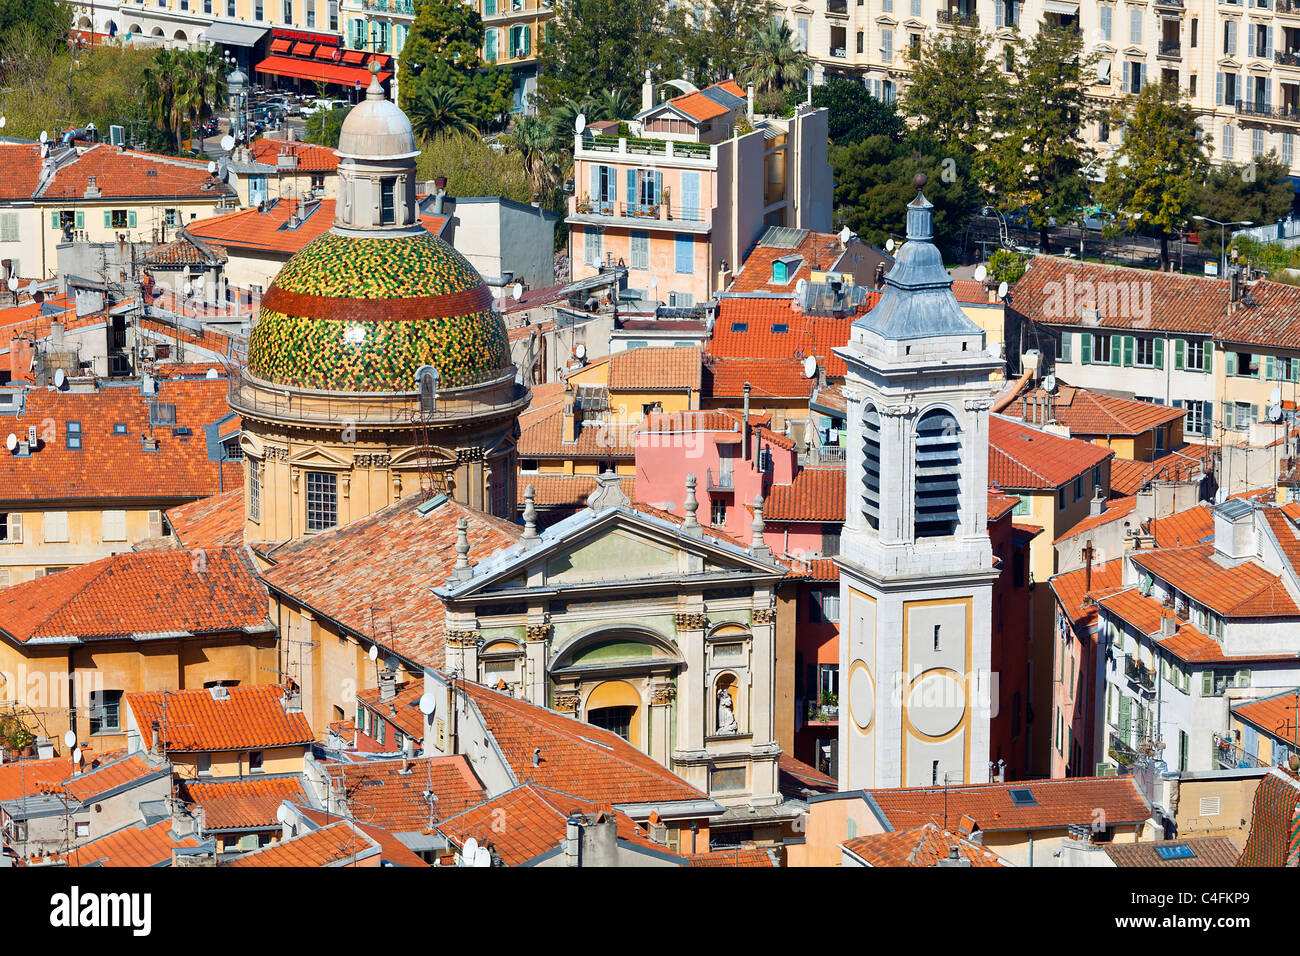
x=1023, y=798
x=1176, y=851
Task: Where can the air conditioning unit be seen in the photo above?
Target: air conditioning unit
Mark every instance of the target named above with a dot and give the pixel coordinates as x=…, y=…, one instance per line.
x=147, y=353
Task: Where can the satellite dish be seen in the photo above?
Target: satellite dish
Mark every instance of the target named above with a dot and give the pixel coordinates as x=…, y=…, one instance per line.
x=469, y=852
x=198, y=282
x=212, y=167
x=70, y=739
x=1002, y=290
x=1275, y=396
x=482, y=857
x=189, y=289
x=283, y=814
x=212, y=374
x=580, y=351
x=995, y=350
x=2, y=122
x=374, y=652
x=654, y=282
x=517, y=290
x=44, y=136
x=428, y=704
x=580, y=123
x=31, y=287
x=800, y=286
x=1275, y=413
x=227, y=142
x=1049, y=383
x=11, y=442
x=810, y=367
x=13, y=284
x=981, y=273
x=59, y=378
x=889, y=246
x=846, y=234
x=76, y=755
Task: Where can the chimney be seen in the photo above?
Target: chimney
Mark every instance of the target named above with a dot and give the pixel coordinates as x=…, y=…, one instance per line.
x=1168, y=622
x=1234, y=286
x=56, y=334
x=1087, y=567
x=591, y=840
x=744, y=429
x=954, y=858
x=440, y=194
x=92, y=188
x=1097, y=506
x=387, y=684
x=647, y=92
x=155, y=746
x=749, y=102
x=570, y=428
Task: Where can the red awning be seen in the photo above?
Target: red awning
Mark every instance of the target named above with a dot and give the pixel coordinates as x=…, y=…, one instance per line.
x=303, y=49
x=315, y=70
x=330, y=54
x=280, y=46
x=354, y=56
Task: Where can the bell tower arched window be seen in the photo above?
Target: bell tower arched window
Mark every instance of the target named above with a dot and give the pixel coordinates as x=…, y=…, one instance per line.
x=938, y=474
x=871, y=466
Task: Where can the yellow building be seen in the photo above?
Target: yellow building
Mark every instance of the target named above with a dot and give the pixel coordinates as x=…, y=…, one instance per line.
x=513, y=30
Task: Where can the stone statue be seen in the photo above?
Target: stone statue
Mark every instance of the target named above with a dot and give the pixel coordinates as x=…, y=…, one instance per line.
x=726, y=716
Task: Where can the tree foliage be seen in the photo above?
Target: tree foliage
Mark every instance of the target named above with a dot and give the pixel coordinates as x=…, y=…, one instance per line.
x=183, y=86
x=47, y=19
x=1258, y=191
x=1153, y=179
x=714, y=47
x=324, y=126
x=956, y=88
x=474, y=168
x=597, y=45
x=854, y=114
x=442, y=52
x=773, y=64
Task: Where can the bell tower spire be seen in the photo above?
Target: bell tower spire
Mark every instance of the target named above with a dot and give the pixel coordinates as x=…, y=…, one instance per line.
x=376, y=170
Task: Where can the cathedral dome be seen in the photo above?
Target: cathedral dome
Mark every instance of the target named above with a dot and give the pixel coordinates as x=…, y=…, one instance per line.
x=362, y=314
x=376, y=128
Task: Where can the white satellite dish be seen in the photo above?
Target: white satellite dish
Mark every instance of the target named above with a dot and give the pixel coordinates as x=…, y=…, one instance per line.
x=482, y=857
x=31, y=287
x=227, y=142
x=13, y=284
x=283, y=814
x=469, y=852
x=810, y=366
x=995, y=350
x=1275, y=396
x=580, y=351
x=517, y=290
x=1002, y=290
x=800, y=286
x=212, y=167
x=44, y=136
x=889, y=246
x=198, y=282
x=1049, y=383
x=59, y=378
x=1275, y=413
x=981, y=273
x=70, y=739
x=189, y=289
x=11, y=442
x=580, y=123
x=428, y=704
x=212, y=374
x=846, y=234
x=2, y=122
x=76, y=755
x=374, y=652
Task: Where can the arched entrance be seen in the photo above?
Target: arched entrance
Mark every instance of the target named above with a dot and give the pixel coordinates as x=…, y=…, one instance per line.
x=615, y=705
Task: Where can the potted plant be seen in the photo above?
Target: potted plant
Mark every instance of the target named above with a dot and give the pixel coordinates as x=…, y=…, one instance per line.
x=584, y=204
x=830, y=704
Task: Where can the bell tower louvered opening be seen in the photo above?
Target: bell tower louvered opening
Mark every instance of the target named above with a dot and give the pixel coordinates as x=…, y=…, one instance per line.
x=938, y=471
x=871, y=466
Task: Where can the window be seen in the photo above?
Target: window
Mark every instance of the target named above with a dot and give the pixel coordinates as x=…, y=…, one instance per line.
x=887, y=45
x=938, y=464
x=1242, y=364
x=718, y=513
x=254, y=492
x=640, y=251
x=1191, y=355
x=1100, y=349
x=726, y=779
x=1198, y=419
x=255, y=761
x=1229, y=37
x=871, y=466
x=937, y=629
x=1105, y=26
x=118, y=219
x=387, y=201
x=288, y=11
x=1228, y=144
x=105, y=712
x=11, y=528
x=824, y=605
x=114, y=526
x=593, y=247
x=617, y=720
x=82, y=829
x=203, y=764
x=1144, y=351
x=56, y=527
x=684, y=246
x=322, y=500
x=1063, y=347
x=1135, y=26
x=1060, y=498
x=73, y=436
x=1078, y=487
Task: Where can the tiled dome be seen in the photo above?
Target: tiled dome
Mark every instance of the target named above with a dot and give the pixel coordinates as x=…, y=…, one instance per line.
x=360, y=314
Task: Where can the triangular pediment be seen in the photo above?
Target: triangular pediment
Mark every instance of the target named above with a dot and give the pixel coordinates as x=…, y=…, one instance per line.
x=319, y=457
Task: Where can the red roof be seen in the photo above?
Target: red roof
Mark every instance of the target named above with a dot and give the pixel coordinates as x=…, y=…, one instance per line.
x=749, y=327
x=1001, y=505
x=737, y=856
x=269, y=231
x=20, y=170
x=1021, y=456
x=339, y=844
x=139, y=595
x=566, y=491
x=249, y=803
x=216, y=521
x=768, y=378
x=576, y=757
x=1193, y=526
x=113, y=465
x=134, y=846
x=1088, y=413
x=311, y=157
x=392, y=851
x=1071, y=589
x=815, y=494
x=305, y=69
x=700, y=107
x=817, y=251
x=1276, y=715
x=195, y=721
x=655, y=368
x=99, y=778
x=543, y=437
x=1116, y=509
x=1128, y=477
x=23, y=778
x=1242, y=590
x=920, y=846
x=126, y=174
x=391, y=793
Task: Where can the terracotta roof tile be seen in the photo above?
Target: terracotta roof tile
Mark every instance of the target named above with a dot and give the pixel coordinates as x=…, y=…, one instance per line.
x=135, y=846
x=93, y=781
x=20, y=170
x=339, y=844
x=1272, y=821
x=815, y=494
x=656, y=368
x=127, y=174
x=1001, y=505
x=1274, y=715
x=1072, y=587
x=333, y=572
x=311, y=158
x=920, y=846
x=216, y=521
x=768, y=378
x=193, y=721
x=817, y=251
x=750, y=327
x=268, y=230
x=1206, y=851
x=1192, y=526
x=1021, y=456
x=544, y=438
x=805, y=777
x=391, y=850
x=139, y=593
x=1243, y=590
x=1089, y=413
x=566, y=491
x=23, y=778
x=249, y=803
x=390, y=793
x=1128, y=477
x=737, y=856
x=1115, y=510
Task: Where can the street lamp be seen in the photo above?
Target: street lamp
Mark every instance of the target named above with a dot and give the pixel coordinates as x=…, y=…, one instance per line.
x=237, y=93
x=1222, y=228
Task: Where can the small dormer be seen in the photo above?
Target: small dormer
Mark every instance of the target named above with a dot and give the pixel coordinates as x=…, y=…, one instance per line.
x=784, y=269
x=1234, y=529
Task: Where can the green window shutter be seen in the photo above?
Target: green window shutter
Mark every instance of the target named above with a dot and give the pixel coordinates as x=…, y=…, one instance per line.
x=1254, y=412
x=54, y=220
x=1067, y=343
x=1180, y=349
x=108, y=219
x=1116, y=349
x=1207, y=683
x=130, y=219
x=1270, y=368
x=1242, y=678
x=1160, y=353
x=489, y=8
x=81, y=219
x=1230, y=363
x=528, y=39
x=1085, y=348
x=1125, y=714
x=1259, y=366
x=1128, y=351
x=1208, y=356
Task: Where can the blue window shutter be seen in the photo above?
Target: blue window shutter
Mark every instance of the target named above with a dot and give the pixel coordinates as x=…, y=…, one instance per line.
x=489, y=8
x=1270, y=368
x=130, y=219
x=685, y=248
x=659, y=187
x=108, y=219
x=1159, y=353
x=690, y=206
x=54, y=219
x=1218, y=89
x=631, y=188
x=1230, y=361
x=595, y=184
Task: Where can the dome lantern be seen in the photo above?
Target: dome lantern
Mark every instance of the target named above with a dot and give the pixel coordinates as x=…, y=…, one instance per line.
x=376, y=168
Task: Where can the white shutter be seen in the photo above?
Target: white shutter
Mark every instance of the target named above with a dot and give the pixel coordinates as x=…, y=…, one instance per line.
x=114, y=526
x=155, y=523
x=56, y=527
x=15, y=527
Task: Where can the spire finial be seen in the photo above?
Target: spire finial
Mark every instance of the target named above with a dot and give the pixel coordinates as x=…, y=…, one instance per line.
x=692, y=524
x=530, y=514
x=462, y=570
x=374, y=91
x=758, y=544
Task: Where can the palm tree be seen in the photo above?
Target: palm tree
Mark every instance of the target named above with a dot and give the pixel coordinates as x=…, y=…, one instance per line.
x=564, y=117
x=773, y=63
x=440, y=109
x=535, y=140
x=611, y=105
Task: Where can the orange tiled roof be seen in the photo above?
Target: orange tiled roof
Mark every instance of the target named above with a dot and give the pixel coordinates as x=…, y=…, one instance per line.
x=111, y=467
x=391, y=850
x=700, y=107
x=135, y=846
x=1001, y=505
x=817, y=251
x=1127, y=477
x=126, y=174
x=1071, y=589
x=971, y=292
x=925, y=845
x=1058, y=803
x=1116, y=509
x=1272, y=820
x=651, y=369
x=1284, y=530
x=1245, y=590
x=530, y=820
x=542, y=401
x=804, y=776
x=249, y=803
x=748, y=327
x=544, y=438
x=24, y=778
x=20, y=170
x=333, y=572
x=566, y=491
x=576, y=757
x=216, y=521
x=1021, y=456
x=339, y=844
x=311, y=158
x=737, y=856
x=269, y=231
x=1276, y=715
x=108, y=775
x=1192, y=526
x=815, y=494
x=390, y=793
x=768, y=378
x=139, y=595
x=251, y=717
x=184, y=250
x=402, y=710
x=1089, y=413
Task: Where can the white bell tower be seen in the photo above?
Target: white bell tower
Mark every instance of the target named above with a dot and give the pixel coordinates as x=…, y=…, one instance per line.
x=916, y=568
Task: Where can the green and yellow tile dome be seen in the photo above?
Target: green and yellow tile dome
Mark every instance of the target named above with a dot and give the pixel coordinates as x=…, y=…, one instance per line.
x=362, y=314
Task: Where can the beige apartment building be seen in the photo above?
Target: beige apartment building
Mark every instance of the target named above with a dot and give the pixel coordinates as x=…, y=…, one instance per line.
x=1237, y=60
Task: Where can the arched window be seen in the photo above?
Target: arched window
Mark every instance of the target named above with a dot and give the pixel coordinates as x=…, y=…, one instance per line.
x=938, y=474
x=871, y=466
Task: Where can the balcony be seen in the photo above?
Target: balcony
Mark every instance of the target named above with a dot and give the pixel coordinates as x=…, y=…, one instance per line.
x=955, y=18
x=823, y=713
x=1170, y=49
x=1175, y=4
x=1121, y=752
x=1287, y=58
x=722, y=482
x=1265, y=111
x=839, y=52
x=631, y=146
x=1228, y=756
x=1140, y=675
x=405, y=7
x=1287, y=8
x=666, y=215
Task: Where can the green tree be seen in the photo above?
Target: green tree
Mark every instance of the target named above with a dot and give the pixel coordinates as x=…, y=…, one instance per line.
x=440, y=109
x=474, y=168
x=773, y=64
x=955, y=88
x=48, y=19
x=324, y=126
x=597, y=45
x=1258, y=191
x=1036, y=160
x=1154, y=177
x=1006, y=266
x=709, y=42
x=873, y=185
x=442, y=51
x=534, y=139
x=854, y=113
